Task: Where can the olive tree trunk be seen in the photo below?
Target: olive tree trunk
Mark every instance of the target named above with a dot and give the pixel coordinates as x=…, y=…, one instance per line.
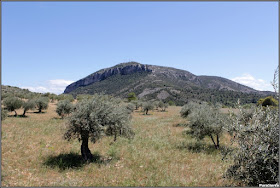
x=86, y=154
x=218, y=141
x=216, y=145
x=24, y=112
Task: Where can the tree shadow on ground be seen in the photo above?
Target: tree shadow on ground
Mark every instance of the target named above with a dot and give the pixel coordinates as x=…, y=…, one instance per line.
x=180, y=125
x=18, y=116
x=201, y=147
x=72, y=161
x=39, y=112
x=23, y=116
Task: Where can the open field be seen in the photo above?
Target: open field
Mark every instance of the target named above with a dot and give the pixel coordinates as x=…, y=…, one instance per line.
x=34, y=153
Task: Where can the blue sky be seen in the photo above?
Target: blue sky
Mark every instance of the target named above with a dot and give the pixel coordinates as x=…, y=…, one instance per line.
x=48, y=45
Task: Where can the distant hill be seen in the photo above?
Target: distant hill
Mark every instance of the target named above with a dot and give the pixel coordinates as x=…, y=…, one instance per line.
x=16, y=91
x=163, y=83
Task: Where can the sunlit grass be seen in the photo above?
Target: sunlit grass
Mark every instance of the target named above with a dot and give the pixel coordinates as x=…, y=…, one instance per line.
x=34, y=153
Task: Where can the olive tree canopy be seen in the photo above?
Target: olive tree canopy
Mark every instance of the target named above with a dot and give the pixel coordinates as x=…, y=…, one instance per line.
x=96, y=117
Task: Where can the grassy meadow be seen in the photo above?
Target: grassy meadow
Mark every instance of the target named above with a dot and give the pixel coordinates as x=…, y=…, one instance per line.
x=34, y=153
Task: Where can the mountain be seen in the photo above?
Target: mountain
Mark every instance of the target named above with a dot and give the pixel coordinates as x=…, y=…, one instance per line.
x=164, y=83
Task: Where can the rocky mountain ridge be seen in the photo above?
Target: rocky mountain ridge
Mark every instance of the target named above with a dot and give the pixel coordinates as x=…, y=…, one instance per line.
x=151, y=81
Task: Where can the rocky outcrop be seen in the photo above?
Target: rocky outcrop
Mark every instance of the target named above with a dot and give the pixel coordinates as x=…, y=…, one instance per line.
x=122, y=69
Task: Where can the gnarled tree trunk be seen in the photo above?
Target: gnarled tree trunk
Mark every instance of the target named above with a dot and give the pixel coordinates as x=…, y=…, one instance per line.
x=86, y=154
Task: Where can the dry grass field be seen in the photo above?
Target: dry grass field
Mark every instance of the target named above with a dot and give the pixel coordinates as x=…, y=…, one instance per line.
x=34, y=153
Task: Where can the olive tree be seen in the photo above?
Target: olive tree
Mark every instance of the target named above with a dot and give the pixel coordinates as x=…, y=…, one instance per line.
x=42, y=103
x=96, y=117
x=12, y=104
x=130, y=107
x=204, y=120
x=161, y=105
x=256, y=137
x=187, y=109
x=28, y=105
x=52, y=97
x=147, y=106
x=165, y=106
x=64, y=107
x=156, y=104
x=136, y=103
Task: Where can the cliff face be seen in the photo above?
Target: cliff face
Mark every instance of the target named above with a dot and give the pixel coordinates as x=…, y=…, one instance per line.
x=122, y=69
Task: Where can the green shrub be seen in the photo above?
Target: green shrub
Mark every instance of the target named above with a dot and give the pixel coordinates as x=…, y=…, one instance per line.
x=13, y=103
x=256, y=160
x=171, y=103
x=268, y=101
x=131, y=96
x=64, y=107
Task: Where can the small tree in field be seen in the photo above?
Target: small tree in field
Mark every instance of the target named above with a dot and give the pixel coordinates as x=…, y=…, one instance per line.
x=165, y=106
x=42, y=103
x=130, y=107
x=64, y=107
x=156, y=104
x=52, y=97
x=13, y=103
x=205, y=120
x=97, y=117
x=161, y=105
x=187, y=109
x=136, y=103
x=28, y=105
x=148, y=106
